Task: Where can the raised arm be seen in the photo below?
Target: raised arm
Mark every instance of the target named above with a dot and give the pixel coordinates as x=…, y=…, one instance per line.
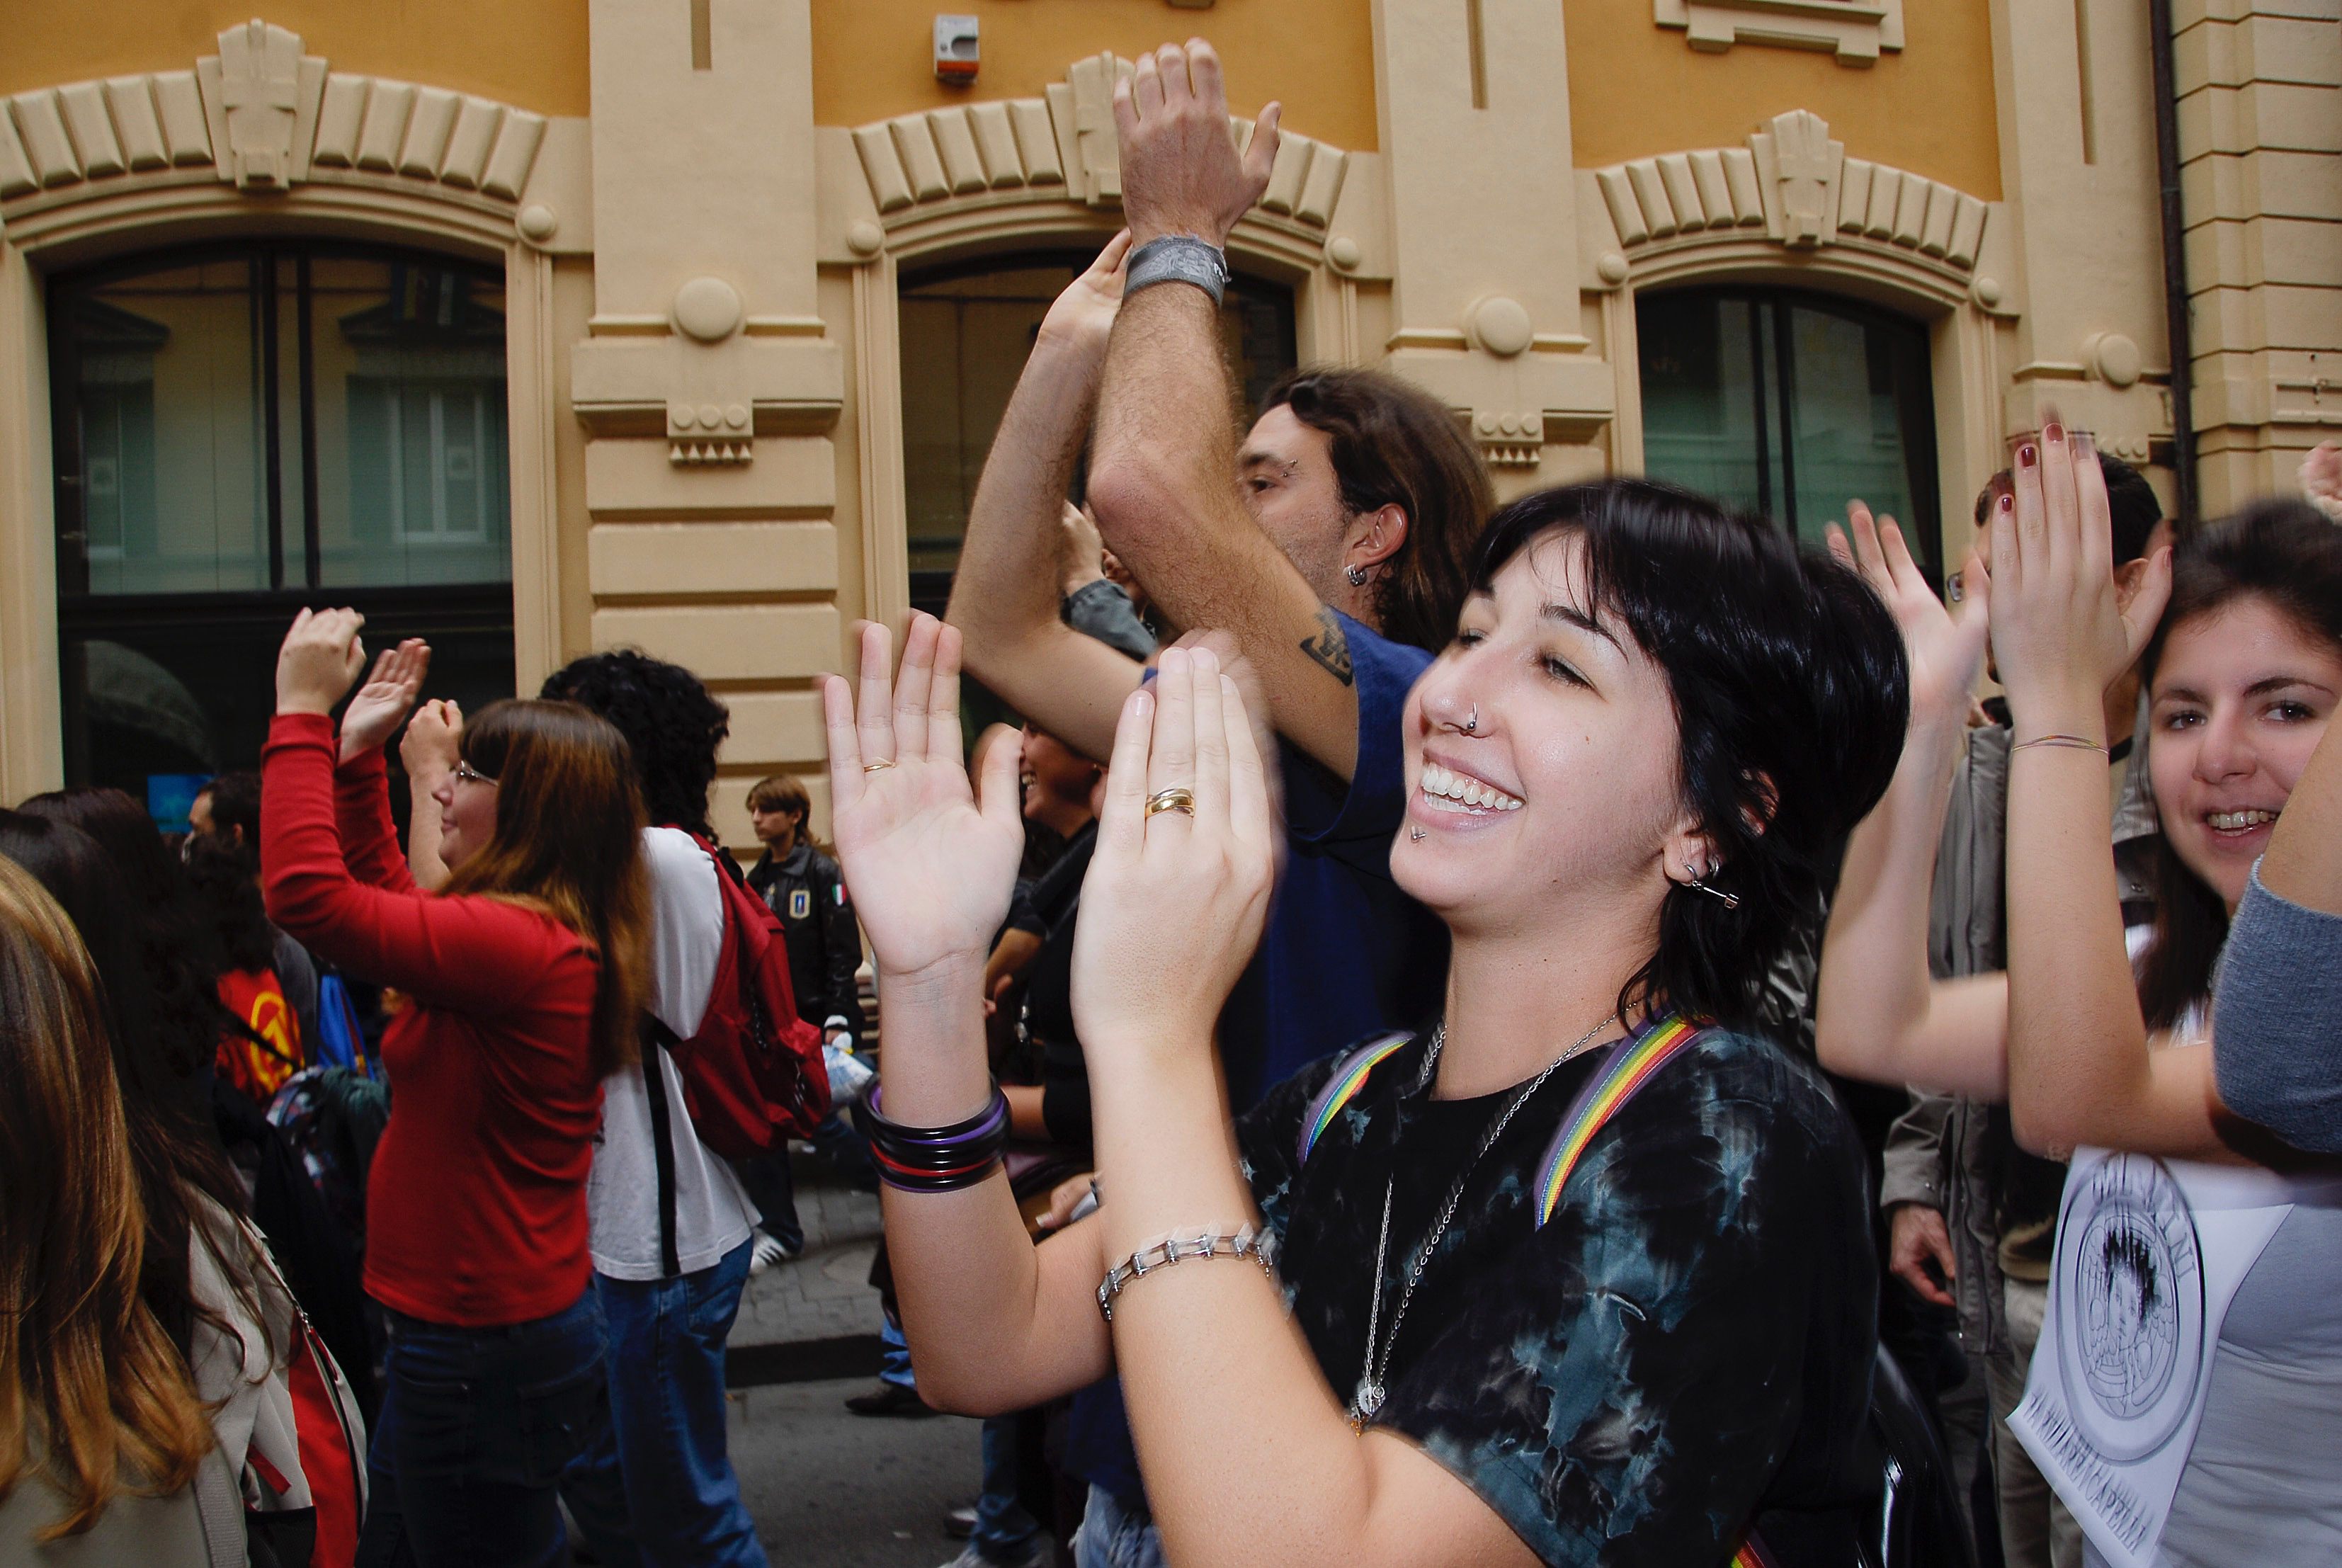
x=994, y=1324
x=2080, y=1066
x=1878, y=1016
x=1005, y=593
x=428, y=749
x=1248, y=1458
x=1163, y=475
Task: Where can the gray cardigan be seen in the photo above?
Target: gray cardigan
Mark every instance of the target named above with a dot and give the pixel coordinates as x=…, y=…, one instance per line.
x=2277, y=1020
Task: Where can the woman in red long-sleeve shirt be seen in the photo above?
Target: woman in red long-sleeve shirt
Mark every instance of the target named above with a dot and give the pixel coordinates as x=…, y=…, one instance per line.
x=525, y=974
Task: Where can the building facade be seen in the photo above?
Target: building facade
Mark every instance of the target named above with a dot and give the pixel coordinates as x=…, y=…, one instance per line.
x=545, y=326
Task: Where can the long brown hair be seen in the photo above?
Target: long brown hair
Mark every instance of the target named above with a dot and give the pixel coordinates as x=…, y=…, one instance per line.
x=88, y=1371
x=568, y=840
x=2282, y=551
x=1393, y=445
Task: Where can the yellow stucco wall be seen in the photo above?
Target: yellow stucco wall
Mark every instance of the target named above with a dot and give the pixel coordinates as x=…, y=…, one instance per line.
x=876, y=58
x=1636, y=89
x=529, y=53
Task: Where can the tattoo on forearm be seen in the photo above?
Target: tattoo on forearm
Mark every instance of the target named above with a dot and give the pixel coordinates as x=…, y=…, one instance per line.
x=1329, y=648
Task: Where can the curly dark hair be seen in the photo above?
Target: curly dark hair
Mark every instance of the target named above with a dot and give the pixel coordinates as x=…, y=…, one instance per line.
x=225, y=877
x=1791, y=697
x=672, y=721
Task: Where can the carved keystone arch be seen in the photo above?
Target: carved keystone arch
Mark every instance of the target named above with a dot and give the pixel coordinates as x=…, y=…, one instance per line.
x=1061, y=146
x=1792, y=185
x=264, y=116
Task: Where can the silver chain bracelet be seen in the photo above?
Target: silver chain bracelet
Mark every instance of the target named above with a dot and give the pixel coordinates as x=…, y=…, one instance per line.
x=1247, y=1242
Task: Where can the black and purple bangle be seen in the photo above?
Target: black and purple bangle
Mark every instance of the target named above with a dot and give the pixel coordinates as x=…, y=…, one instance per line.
x=935, y=1158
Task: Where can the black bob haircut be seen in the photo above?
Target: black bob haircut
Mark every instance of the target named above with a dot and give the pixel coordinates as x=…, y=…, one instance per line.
x=1791, y=695
x=671, y=720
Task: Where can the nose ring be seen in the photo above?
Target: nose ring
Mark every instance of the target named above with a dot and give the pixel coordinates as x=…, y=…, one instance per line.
x=1473, y=722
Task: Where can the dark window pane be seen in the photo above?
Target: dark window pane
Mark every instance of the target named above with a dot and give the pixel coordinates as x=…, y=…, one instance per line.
x=162, y=373
x=965, y=335
x=1791, y=405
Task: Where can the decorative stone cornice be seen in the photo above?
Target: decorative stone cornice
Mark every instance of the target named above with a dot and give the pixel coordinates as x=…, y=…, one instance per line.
x=1792, y=185
x=265, y=116
x=1062, y=144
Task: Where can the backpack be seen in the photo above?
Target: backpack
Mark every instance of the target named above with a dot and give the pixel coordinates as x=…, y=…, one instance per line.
x=753, y=1074
x=341, y=1039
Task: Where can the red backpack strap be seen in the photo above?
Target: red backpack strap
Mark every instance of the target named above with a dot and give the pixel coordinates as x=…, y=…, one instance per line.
x=332, y=1449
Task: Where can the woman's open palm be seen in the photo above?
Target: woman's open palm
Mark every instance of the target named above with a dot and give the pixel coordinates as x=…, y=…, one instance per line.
x=1946, y=645
x=929, y=867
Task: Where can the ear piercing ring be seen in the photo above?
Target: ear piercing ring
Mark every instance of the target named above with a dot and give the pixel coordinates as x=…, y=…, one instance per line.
x=1729, y=901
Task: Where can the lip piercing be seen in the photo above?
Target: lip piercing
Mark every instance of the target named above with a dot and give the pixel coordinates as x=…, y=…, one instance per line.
x=1415, y=834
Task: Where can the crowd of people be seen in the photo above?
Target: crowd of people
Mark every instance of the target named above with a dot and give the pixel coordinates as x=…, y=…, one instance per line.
x=1827, y=1115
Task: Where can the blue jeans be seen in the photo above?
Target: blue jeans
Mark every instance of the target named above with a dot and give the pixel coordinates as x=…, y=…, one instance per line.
x=658, y=1488
x=1112, y=1536
x=478, y=1426
x=1004, y=1529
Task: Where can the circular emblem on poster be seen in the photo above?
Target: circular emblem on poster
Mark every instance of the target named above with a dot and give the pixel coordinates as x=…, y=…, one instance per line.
x=2130, y=1305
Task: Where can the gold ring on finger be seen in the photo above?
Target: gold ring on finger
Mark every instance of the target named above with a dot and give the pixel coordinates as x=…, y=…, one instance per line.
x=1178, y=798
x=874, y=768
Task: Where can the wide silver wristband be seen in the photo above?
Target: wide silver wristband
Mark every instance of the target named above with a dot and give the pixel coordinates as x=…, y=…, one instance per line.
x=1178, y=258
x=1258, y=1245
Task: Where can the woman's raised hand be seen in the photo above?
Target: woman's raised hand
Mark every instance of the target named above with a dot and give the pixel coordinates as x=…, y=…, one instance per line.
x=930, y=866
x=1174, y=900
x=2060, y=633
x=375, y=711
x=1946, y=647
x=1082, y=316
x=320, y=657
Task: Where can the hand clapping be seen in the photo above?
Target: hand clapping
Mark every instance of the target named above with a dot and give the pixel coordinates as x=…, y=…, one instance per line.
x=1179, y=889
x=1180, y=171
x=1946, y=647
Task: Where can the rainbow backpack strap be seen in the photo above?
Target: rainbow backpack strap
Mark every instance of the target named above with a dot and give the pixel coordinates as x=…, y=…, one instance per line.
x=1632, y=1063
x=1350, y=1075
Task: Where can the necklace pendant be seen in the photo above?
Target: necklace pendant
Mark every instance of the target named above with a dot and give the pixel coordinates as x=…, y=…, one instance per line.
x=1364, y=1403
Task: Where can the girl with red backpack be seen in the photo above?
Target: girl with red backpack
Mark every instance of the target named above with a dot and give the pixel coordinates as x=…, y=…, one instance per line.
x=524, y=976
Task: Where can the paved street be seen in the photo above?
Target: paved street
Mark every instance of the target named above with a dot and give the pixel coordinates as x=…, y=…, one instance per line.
x=829, y=1489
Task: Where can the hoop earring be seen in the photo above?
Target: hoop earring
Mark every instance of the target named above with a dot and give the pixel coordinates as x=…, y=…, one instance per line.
x=1729, y=901
x=1357, y=574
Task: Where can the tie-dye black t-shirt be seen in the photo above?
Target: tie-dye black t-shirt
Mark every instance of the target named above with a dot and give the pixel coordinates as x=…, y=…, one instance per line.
x=1686, y=1345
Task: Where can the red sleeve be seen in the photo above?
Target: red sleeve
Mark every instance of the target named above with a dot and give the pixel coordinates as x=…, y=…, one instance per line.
x=473, y=956
x=362, y=817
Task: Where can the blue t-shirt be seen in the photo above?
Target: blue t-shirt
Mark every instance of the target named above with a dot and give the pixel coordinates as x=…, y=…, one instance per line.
x=1345, y=954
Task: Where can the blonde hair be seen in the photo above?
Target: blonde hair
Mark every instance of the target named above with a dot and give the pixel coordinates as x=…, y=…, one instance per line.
x=92, y=1392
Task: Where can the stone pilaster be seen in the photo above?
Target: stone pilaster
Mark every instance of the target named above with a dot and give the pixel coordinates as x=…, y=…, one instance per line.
x=708, y=386
x=2260, y=145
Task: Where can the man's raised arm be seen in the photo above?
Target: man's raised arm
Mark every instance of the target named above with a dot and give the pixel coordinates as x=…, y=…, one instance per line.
x=1163, y=475
x=1005, y=593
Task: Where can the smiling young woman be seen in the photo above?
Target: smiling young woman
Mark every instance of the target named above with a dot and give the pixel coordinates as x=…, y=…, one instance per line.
x=1583, y=1273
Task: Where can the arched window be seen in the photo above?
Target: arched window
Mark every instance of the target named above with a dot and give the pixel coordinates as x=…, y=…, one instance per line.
x=243, y=429
x=1791, y=404
x=966, y=331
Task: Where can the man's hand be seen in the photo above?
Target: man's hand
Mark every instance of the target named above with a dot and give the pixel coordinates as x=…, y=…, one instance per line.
x=320, y=657
x=1915, y=1237
x=2321, y=478
x=1180, y=171
x=1081, y=317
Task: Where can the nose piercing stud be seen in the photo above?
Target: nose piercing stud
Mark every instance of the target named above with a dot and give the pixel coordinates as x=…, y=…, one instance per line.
x=1473, y=722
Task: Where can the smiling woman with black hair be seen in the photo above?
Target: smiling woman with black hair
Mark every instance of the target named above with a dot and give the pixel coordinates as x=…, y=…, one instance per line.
x=1581, y=1274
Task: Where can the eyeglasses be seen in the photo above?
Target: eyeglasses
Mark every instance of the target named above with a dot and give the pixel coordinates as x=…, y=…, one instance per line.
x=467, y=774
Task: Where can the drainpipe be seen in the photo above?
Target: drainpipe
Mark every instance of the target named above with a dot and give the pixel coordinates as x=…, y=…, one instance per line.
x=2175, y=266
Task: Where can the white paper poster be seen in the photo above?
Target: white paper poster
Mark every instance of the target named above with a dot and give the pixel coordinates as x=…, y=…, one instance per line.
x=2149, y=1253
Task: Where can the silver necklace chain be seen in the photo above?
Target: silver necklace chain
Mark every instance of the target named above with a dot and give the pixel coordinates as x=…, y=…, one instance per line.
x=1371, y=1392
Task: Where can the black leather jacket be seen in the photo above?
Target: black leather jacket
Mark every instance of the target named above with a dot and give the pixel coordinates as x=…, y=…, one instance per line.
x=806, y=889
